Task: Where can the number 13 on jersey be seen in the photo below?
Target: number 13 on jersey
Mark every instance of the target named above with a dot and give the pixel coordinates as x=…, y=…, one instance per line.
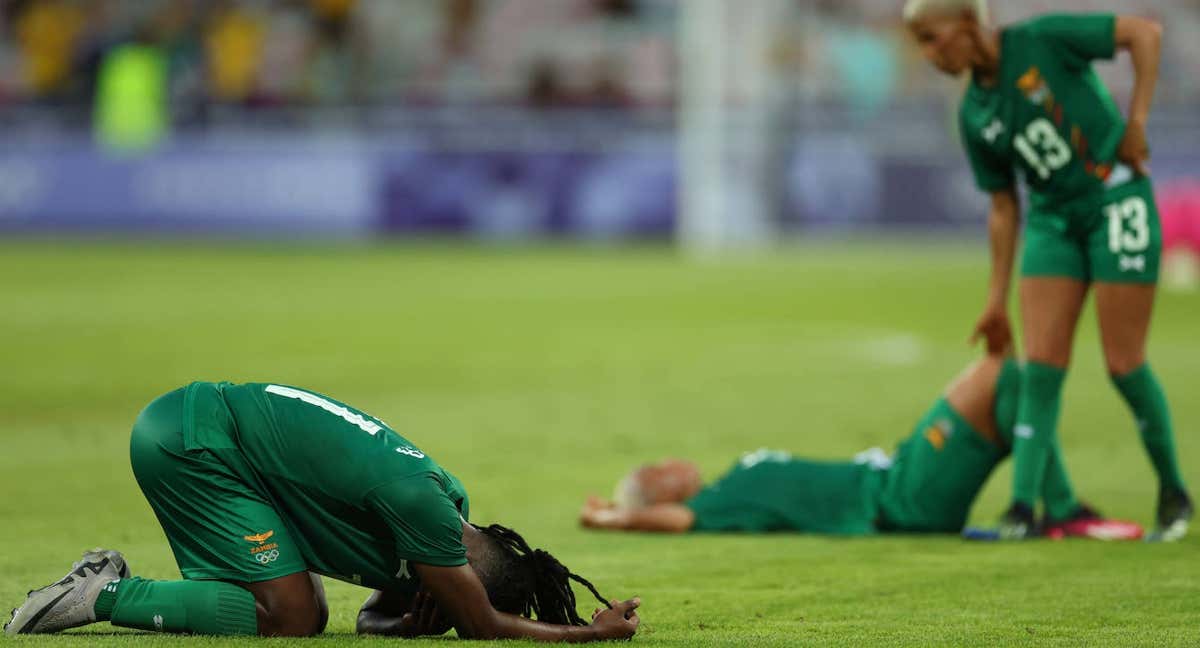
x=1051, y=152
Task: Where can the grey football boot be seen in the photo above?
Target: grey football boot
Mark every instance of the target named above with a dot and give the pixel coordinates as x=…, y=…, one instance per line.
x=69, y=602
x=1175, y=510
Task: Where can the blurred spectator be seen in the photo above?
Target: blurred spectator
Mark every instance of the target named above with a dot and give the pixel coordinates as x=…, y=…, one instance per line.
x=862, y=55
x=233, y=47
x=131, y=94
x=47, y=31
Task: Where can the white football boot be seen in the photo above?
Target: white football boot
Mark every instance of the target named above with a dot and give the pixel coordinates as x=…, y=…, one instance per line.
x=69, y=602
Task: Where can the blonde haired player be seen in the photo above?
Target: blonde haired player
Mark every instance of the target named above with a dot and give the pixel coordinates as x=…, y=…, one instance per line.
x=926, y=486
x=1034, y=107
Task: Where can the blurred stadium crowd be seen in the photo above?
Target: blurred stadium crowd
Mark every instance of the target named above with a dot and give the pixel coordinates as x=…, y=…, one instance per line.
x=508, y=118
x=528, y=53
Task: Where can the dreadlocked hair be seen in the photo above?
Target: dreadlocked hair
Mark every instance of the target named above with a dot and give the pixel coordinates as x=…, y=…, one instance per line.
x=526, y=581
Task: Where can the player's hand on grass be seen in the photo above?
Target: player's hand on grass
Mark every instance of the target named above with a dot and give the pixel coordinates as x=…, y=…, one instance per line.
x=619, y=621
x=423, y=618
x=1133, y=149
x=994, y=328
x=598, y=513
x=595, y=501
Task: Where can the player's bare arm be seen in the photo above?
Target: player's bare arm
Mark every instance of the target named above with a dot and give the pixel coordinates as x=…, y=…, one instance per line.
x=456, y=597
x=993, y=325
x=599, y=513
x=459, y=593
x=1142, y=38
x=399, y=614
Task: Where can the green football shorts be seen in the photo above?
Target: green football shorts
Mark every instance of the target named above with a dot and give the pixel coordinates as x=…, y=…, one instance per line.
x=218, y=526
x=1112, y=237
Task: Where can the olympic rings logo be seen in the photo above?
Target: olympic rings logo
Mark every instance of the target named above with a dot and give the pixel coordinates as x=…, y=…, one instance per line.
x=267, y=556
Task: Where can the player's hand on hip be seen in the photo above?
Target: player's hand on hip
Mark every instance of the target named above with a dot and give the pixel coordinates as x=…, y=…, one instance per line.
x=994, y=328
x=618, y=622
x=1133, y=149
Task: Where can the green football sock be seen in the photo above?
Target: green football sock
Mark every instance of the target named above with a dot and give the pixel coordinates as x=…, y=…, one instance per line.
x=1056, y=487
x=1057, y=493
x=1146, y=399
x=200, y=607
x=1034, y=437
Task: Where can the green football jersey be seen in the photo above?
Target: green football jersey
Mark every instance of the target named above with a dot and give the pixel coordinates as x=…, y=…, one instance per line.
x=1047, y=114
x=927, y=485
x=770, y=490
x=359, y=500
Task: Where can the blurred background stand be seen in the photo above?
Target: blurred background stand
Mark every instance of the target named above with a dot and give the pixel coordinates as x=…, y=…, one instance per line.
x=727, y=105
x=712, y=125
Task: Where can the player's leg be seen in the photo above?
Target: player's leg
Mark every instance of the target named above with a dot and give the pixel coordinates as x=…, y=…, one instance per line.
x=973, y=394
x=987, y=395
x=1054, y=284
x=1125, y=249
x=1124, y=313
x=1050, y=308
x=290, y=606
x=1057, y=493
x=954, y=447
x=94, y=592
x=221, y=533
x=244, y=573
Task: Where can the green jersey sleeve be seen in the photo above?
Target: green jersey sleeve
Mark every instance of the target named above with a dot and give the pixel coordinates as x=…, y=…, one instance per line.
x=1081, y=38
x=423, y=519
x=991, y=170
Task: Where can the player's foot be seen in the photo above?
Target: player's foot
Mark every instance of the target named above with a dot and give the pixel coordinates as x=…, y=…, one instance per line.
x=1175, y=510
x=69, y=602
x=117, y=558
x=1017, y=523
x=1086, y=522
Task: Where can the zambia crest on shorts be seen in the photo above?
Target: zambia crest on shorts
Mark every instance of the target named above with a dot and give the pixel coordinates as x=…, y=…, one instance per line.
x=261, y=537
x=263, y=553
x=938, y=433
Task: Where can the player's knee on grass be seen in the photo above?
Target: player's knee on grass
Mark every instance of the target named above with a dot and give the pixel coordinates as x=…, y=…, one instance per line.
x=289, y=606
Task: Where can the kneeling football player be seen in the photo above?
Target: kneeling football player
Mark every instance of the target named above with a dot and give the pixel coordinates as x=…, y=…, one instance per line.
x=927, y=486
x=260, y=487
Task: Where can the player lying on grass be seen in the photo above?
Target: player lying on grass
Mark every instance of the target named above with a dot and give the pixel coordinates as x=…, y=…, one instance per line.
x=259, y=487
x=1034, y=107
x=927, y=486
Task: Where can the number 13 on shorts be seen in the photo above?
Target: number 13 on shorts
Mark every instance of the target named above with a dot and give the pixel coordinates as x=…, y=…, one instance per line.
x=1128, y=225
x=1126, y=242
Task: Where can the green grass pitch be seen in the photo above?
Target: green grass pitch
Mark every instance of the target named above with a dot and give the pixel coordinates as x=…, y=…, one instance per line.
x=539, y=375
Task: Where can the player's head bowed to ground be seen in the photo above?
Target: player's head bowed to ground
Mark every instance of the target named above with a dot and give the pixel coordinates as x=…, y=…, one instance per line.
x=526, y=581
x=260, y=487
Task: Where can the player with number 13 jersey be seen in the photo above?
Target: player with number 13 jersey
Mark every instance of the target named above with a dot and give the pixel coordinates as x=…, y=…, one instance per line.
x=1034, y=107
x=1046, y=114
